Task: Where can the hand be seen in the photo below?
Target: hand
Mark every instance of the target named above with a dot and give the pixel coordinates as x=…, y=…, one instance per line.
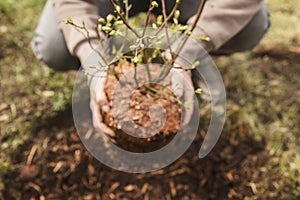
x=99, y=103
x=182, y=86
x=96, y=80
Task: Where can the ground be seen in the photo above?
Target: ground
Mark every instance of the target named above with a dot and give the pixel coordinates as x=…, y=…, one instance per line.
x=257, y=156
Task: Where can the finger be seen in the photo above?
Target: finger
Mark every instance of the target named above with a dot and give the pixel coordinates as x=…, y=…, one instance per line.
x=98, y=120
x=106, y=130
x=188, y=112
x=177, y=80
x=189, y=98
x=96, y=116
x=99, y=92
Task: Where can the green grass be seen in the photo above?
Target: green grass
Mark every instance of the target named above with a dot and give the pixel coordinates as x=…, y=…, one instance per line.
x=285, y=25
x=263, y=92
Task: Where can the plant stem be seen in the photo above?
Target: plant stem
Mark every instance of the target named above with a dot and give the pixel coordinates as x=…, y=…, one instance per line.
x=164, y=72
x=147, y=18
x=126, y=10
x=123, y=19
x=166, y=23
x=87, y=35
x=189, y=31
x=168, y=18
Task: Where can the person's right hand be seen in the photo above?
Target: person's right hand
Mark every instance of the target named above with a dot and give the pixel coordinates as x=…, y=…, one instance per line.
x=99, y=103
x=96, y=80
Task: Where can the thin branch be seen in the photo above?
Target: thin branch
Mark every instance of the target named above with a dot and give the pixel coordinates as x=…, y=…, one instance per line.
x=148, y=17
x=168, y=18
x=164, y=11
x=126, y=10
x=147, y=67
x=189, y=31
x=164, y=72
x=86, y=34
x=123, y=19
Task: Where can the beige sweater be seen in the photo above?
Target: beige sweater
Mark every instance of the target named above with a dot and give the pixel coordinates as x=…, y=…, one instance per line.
x=221, y=20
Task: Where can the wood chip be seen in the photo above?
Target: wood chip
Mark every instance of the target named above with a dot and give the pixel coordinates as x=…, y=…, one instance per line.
x=144, y=188
x=35, y=186
x=88, y=197
x=146, y=197
x=42, y=197
x=58, y=166
x=173, y=189
x=203, y=182
x=253, y=187
x=77, y=156
x=88, y=134
x=112, y=196
x=129, y=188
x=114, y=186
x=177, y=172
x=31, y=154
x=229, y=176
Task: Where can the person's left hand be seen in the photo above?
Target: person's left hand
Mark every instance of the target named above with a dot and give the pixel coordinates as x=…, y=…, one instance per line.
x=182, y=86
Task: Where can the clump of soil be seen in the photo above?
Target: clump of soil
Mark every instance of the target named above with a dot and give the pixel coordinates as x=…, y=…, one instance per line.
x=150, y=116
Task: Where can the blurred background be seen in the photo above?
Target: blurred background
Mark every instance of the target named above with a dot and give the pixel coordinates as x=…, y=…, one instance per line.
x=257, y=156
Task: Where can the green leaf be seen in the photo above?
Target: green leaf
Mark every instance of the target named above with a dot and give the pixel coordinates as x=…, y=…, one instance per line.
x=196, y=64
x=106, y=28
x=183, y=27
x=154, y=4
x=154, y=26
x=113, y=32
x=119, y=22
x=175, y=21
x=118, y=9
x=204, y=38
x=198, y=91
x=109, y=17
x=179, y=102
x=132, y=47
x=101, y=20
x=135, y=59
x=177, y=14
x=68, y=21
x=187, y=105
x=159, y=20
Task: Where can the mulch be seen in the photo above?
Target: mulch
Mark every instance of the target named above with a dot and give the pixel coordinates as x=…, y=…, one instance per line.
x=56, y=165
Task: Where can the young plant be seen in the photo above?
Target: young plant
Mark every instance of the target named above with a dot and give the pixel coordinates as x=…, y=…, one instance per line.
x=141, y=46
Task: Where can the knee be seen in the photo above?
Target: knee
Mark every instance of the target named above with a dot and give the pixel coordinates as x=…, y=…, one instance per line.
x=250, y=36
x=257, y=28
x=51, y=49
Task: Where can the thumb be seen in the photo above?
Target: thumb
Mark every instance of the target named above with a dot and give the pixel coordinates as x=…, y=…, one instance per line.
x=177, y=80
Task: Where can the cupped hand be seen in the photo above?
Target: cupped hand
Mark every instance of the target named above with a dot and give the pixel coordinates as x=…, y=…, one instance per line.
x=182, y=86
x=99, y=104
